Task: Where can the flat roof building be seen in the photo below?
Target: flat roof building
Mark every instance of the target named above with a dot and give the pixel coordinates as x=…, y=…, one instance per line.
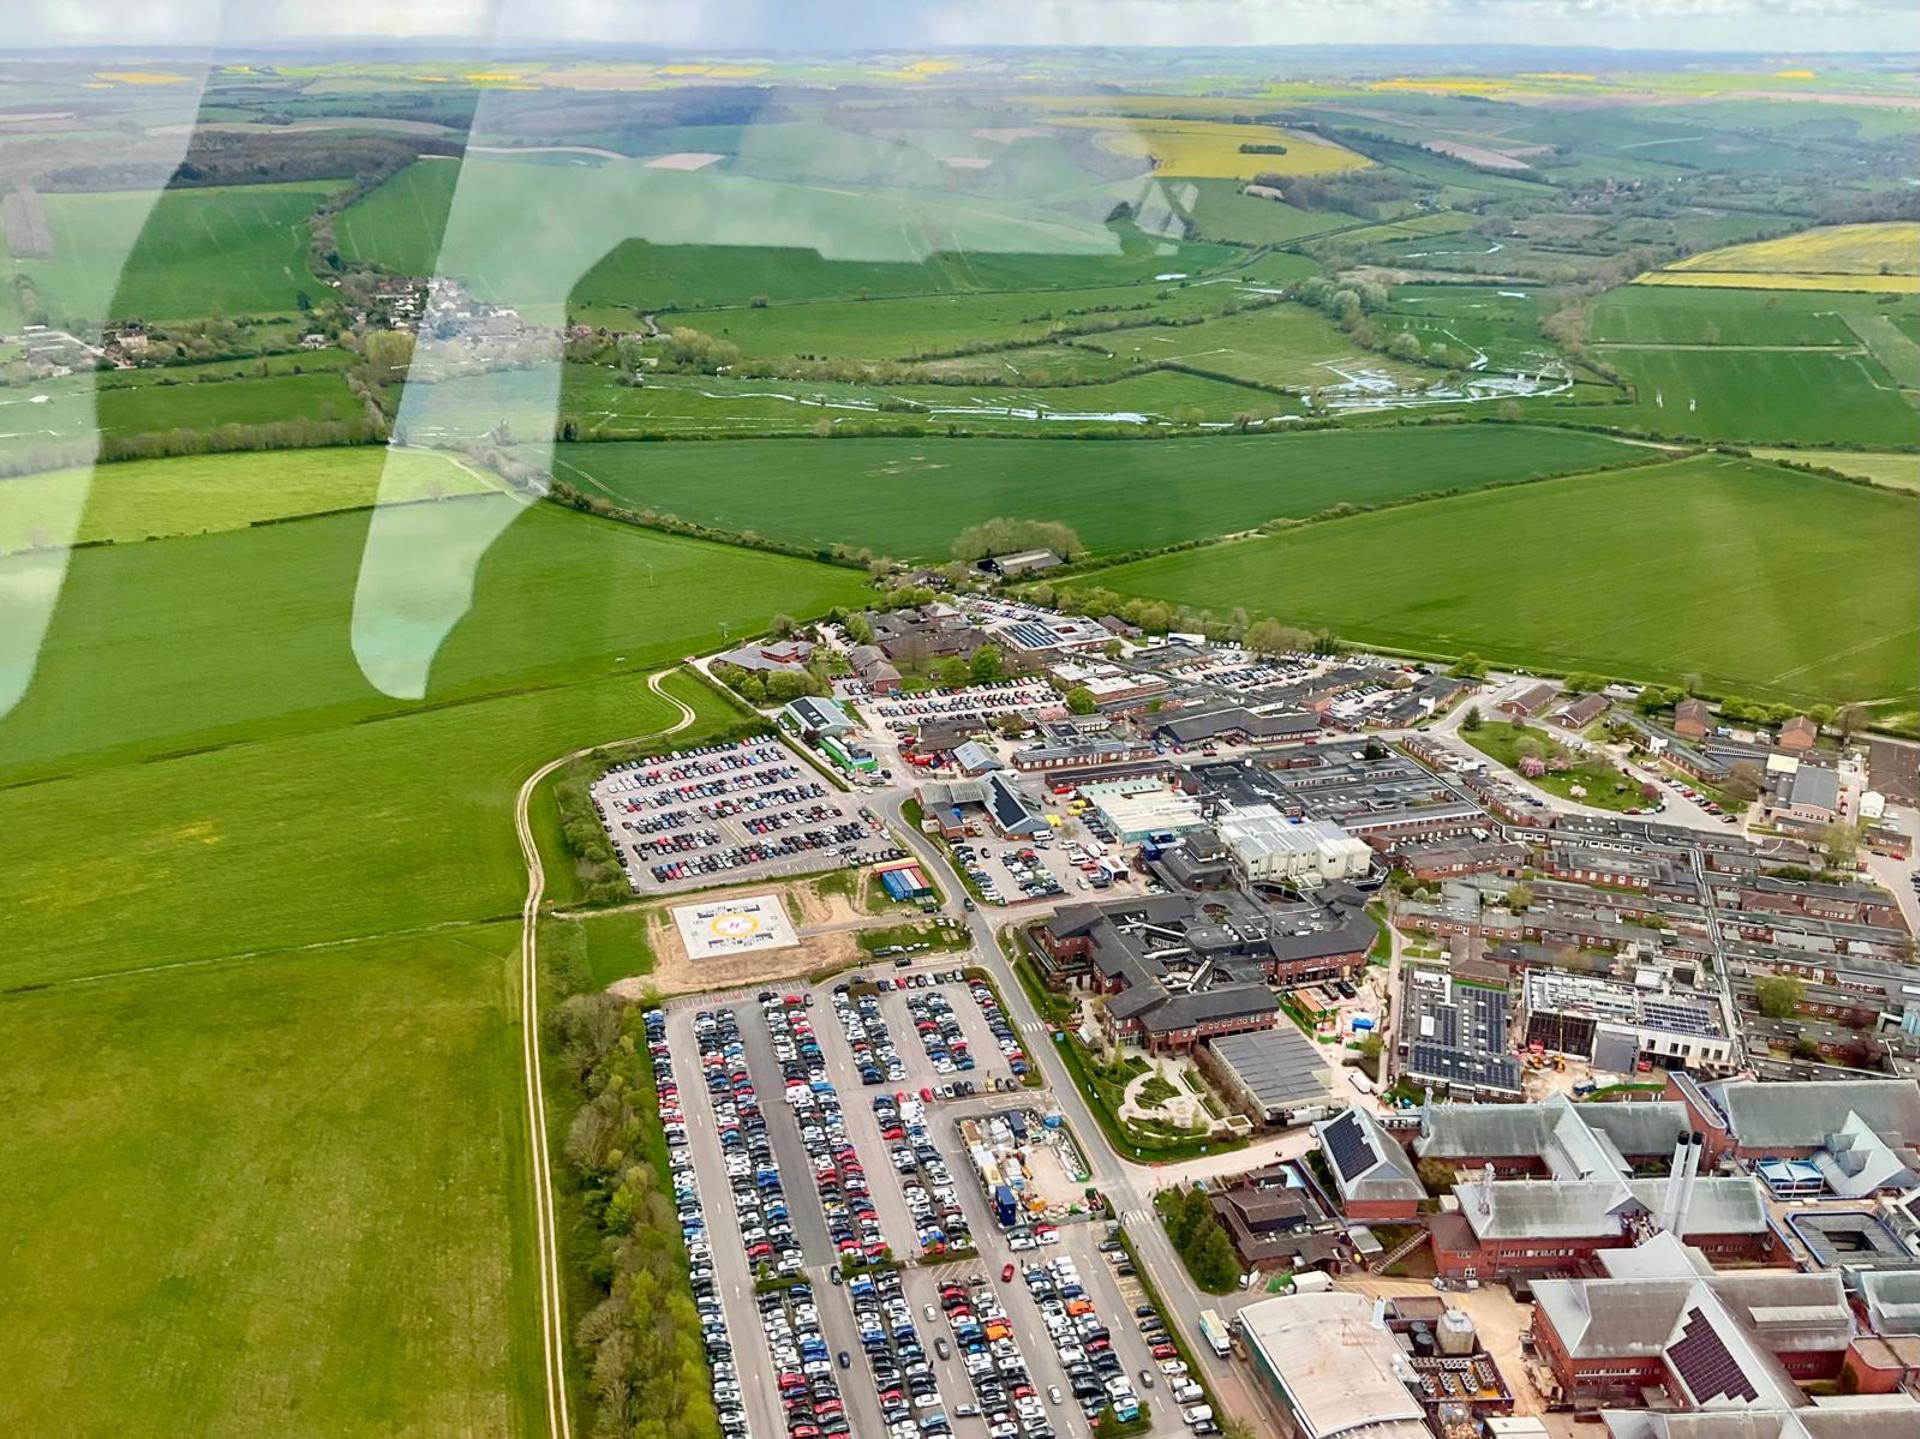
x=1136, y=808
x=1332, y=1368
x=1268, y=1074
x=1269, y=848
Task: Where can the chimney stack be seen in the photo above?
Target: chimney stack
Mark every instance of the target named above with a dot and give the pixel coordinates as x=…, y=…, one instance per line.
x=1676, y=1172
x=1695, y=1150
x=1486, y=1189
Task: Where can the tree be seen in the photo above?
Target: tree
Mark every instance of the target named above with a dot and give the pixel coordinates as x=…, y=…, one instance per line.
x=858, y=630
x=1841, y=841
x=1438, y=1176
x=951, y=673
x=1003, y=536
x=1404, y=346
x=1080, y=701
x=1586, y=684
x=987, y=664
x=1211, y=1257
x=1779, y=996
x=1472, y=721
x=1470, y=666
x=1519, y=897
x=1270, y=637
x=1849, y=719
x=782, y=626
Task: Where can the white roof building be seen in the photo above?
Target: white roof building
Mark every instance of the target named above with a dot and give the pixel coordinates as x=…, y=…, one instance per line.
x=1269, y=848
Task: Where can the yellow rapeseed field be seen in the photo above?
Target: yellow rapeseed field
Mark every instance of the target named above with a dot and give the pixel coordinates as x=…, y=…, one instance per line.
x=1866, y=250
x=1780, y=280
x=1203, y=149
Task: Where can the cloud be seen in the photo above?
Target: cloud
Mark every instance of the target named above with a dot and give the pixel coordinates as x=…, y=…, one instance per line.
x=1741, y=25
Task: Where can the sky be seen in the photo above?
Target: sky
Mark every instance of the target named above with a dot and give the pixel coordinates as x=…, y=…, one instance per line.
x=1775, y=26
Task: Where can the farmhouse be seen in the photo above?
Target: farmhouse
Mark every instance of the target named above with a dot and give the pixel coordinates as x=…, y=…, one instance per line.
x=874, y=670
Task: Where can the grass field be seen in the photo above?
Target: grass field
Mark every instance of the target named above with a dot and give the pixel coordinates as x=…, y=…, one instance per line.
x=623, y=236
x=910, y=327
x=1663, y=315
x=239, y=249
x=309, y=1164
x=1896, y=472
x=1285, y=345
x=1765, y=582
x=560, y=598
x=1211, y=149
x=258, y=993
x=1221, y=211
x=154, y=499
x=911, y=498
x=1812, y=397
x=1889, y=249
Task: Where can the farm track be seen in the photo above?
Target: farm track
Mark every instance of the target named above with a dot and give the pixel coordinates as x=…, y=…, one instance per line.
x=546, y=1239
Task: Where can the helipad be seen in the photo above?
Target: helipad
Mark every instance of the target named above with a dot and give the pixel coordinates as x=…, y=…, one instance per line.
x=724, y=927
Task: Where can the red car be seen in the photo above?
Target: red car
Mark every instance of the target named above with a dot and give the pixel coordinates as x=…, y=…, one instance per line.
x=1165, y=1351
x=1006, y=1272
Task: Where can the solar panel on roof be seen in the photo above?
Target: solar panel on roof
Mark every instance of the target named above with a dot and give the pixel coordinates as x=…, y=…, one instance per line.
x=1705, y=1365
x=1346, y=1141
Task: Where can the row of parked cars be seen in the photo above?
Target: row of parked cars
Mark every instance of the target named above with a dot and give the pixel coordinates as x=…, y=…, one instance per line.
x=906, y=712
x=846, y=1199
x=867, y=1036
x=1000, y=1025
x=787, y=794
x=903, y=1379
x=1004, y=1394
x=1095, y=1373
x=695, y=765
x=940, y=1033
x=718, y=861
x=713, y=1040
x=926, y=1183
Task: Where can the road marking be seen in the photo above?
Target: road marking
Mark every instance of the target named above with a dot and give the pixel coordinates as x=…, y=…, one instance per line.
x=546, y=1240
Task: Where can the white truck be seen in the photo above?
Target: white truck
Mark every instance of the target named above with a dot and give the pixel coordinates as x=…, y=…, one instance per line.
x=1213, y=1329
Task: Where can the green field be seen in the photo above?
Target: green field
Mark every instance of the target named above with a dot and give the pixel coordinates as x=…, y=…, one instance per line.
x=1765, y=582
x=154, y=499
x=143, y=653
x=1806, y=396
x=309, y=1164
x=912, y=327
x=1678, y=315
x=1221, y=211
x=911, y=498
x=259, y=993
x=625, y=236
x=231, y=250
x=1284, y=345
x=595, y=399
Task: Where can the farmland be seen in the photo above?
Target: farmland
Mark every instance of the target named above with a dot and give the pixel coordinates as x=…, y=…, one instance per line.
x=275, y=982
x=1286, y=346
x=150, y=499
x=1205, y=148
x=1890, y=251
x=560, y=599
x=639, y=237
x=875, y=492
x=287, y=1160
x=1646, y=566
x=234, y=250
x=1731, y=393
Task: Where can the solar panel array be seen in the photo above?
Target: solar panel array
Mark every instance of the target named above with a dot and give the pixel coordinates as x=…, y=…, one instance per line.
x=1347, y=1143
x=1457, y=1066
x=1705, y=1365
